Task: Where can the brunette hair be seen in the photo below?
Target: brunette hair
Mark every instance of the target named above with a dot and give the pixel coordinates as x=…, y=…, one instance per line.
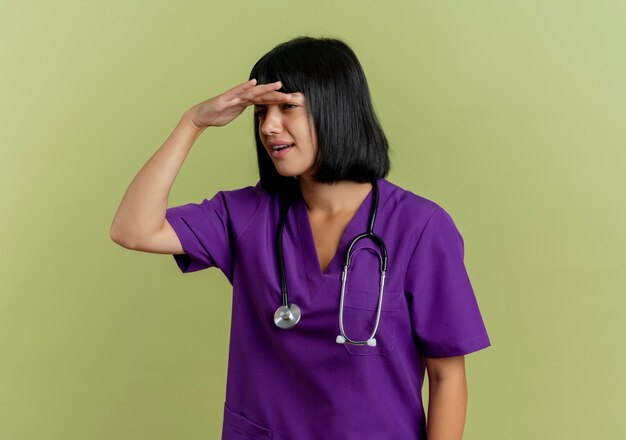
x=350, y=140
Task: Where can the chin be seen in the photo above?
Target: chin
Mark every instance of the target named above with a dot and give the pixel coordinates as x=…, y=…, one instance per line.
x=289, y=172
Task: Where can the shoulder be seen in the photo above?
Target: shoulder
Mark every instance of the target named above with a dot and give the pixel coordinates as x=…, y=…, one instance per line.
x=243, y=202
x=406, y=202
x=240, y=207
x=419, y=212
x=244, y=195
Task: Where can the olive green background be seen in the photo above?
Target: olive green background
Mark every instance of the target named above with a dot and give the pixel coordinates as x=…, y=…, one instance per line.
x=511, y=115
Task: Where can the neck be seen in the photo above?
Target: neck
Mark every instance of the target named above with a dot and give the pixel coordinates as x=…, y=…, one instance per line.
x=331, y=199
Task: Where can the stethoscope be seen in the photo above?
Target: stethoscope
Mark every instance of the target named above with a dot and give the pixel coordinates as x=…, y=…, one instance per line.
x=288, y=315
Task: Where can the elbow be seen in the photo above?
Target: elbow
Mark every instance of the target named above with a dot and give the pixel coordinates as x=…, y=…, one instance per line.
x=118, y=239
x=113, y=235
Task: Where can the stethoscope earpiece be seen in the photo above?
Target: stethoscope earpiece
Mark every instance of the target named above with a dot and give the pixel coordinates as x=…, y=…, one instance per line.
x=341, y=340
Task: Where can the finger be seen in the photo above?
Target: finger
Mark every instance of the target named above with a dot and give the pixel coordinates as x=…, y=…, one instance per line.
x=260, y=90
x=270, y=98
x=230, y=94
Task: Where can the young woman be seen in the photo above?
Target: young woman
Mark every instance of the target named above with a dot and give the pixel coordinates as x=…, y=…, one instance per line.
x=346, y=287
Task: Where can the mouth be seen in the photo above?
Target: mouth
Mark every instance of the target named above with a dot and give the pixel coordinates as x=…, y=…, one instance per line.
x=281, y=150
x=281, y=147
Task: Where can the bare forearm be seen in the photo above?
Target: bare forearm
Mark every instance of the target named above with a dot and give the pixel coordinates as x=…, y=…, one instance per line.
x=143, y=207
x=141, y=215
x=447, y=405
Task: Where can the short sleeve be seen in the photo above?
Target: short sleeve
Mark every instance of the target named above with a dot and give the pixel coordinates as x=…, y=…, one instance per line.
x=444, y=311
x=204, y=233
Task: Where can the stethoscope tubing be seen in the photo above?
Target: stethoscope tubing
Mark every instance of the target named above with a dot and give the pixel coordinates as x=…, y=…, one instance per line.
x=279, y=248
x=288, y=315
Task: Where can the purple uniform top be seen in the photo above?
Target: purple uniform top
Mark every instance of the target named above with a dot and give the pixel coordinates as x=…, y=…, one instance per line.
x=300, y=384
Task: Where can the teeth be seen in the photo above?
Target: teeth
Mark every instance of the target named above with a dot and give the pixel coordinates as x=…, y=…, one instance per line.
x=280, y=147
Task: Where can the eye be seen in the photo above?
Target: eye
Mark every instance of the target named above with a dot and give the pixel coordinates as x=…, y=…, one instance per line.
x=290, y=106
x=259, y=113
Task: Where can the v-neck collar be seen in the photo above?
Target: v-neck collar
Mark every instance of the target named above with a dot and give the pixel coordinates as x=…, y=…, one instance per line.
x=356, y=225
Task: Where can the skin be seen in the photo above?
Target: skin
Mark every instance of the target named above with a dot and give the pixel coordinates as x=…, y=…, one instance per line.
x=327, y=203
x=291, y=122
x=221, y=109
x=284, y=116
x=330, y=206
x=447, y=398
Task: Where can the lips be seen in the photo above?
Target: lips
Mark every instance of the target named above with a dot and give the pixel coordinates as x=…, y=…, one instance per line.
x=280, y=151
x=279, y=147
x=275, y=142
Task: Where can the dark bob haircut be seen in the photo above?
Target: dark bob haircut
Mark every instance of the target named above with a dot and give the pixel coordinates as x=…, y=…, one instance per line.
x=351, y=143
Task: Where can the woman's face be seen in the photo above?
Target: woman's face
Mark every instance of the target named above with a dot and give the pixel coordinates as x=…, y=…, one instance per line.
x=288, y=124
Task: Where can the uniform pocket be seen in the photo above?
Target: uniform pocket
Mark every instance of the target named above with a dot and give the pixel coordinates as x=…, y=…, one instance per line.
x=238, y=427
x=359, y=319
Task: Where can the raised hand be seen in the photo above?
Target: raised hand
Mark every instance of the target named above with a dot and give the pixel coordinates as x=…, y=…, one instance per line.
x=222, y=109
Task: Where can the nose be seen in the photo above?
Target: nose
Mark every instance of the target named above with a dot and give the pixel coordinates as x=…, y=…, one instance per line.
x=271, y=123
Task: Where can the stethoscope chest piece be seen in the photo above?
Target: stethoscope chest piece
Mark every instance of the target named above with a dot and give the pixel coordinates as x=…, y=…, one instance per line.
x=287, y=316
